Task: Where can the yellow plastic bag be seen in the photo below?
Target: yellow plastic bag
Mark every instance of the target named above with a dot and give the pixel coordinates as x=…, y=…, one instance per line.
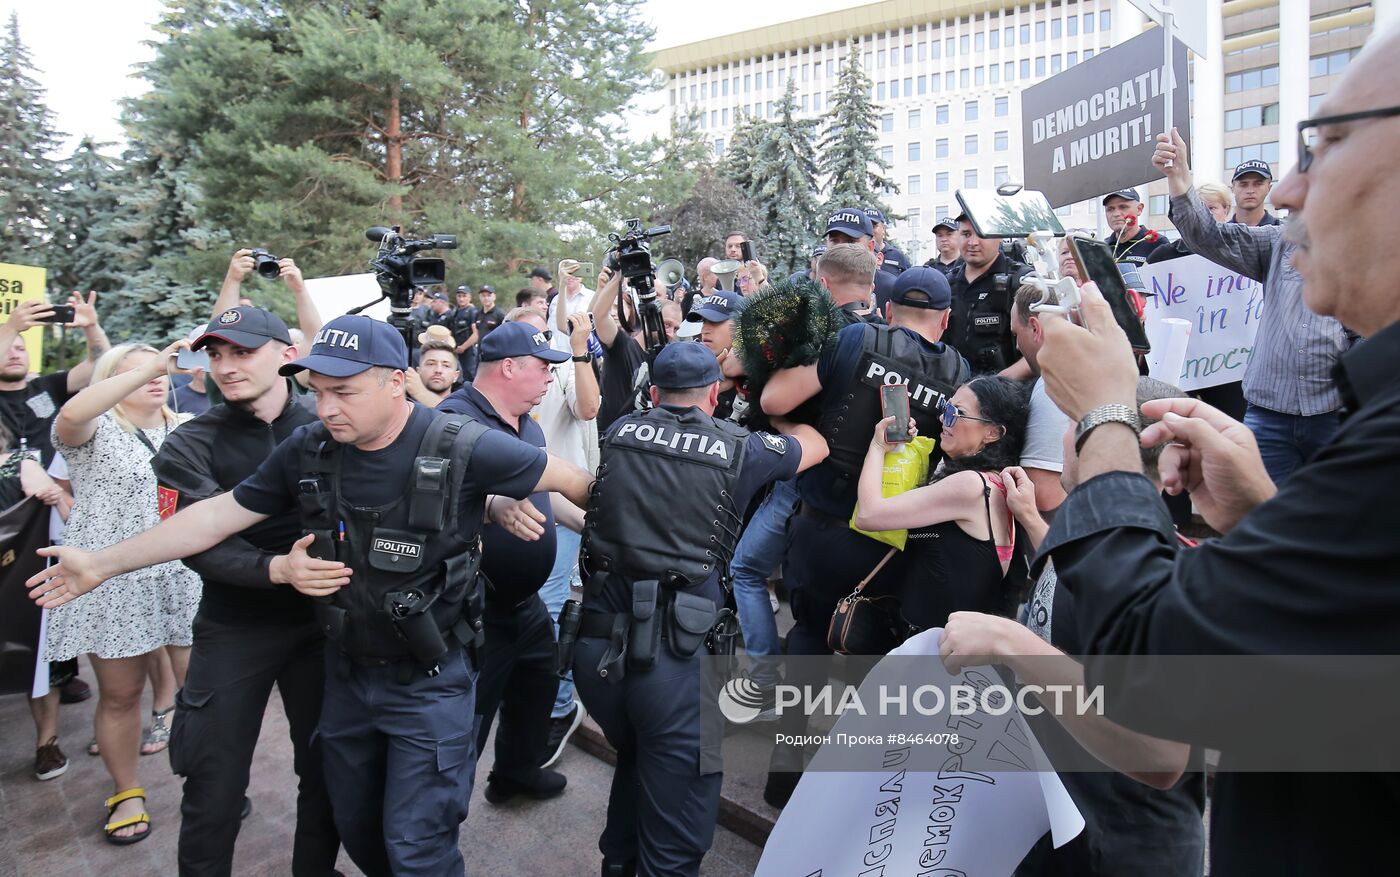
x=905, y=469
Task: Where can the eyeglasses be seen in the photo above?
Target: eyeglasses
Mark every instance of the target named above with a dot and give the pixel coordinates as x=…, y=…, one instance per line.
x=1305, y=152
x=951, y=415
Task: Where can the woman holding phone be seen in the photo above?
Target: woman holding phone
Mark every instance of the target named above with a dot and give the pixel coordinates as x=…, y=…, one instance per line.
x=961, y=532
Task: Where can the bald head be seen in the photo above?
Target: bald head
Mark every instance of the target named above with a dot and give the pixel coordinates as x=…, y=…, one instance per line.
x=1344, y=192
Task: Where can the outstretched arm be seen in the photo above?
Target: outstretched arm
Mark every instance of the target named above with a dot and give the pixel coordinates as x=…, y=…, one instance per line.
x=567, y=479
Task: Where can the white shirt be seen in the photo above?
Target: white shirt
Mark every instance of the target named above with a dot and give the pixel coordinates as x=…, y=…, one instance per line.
x=579, y=302
x=565, y=435
x=1044, y=447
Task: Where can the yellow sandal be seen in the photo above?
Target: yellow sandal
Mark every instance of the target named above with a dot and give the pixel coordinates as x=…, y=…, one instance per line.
x=112, y=827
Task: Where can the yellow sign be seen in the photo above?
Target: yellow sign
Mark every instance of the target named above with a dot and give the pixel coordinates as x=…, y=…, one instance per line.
x=20, y=283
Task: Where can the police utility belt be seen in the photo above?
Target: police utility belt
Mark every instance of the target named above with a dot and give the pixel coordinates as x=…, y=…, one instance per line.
x=683, y=621
x=422, y=620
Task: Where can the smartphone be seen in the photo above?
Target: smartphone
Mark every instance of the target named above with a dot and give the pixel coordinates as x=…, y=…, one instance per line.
x=894, y=402
x=1095, y=260
x=746, y=249
x=192, y=359
x=1008, y=216
x=61, y=314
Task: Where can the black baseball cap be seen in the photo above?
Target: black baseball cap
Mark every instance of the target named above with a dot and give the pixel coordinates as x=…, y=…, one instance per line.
x=818, y=251
x=1130, y=194
x=876, y=217
x=948, y=222
x=352, y=344
x=514, y=340
x=716, y=307
x=464, y=288
x=682, y=365
x=542, y=273
x=439, y=296
x=850, y=221
x=1253, y=166
x=937, y=296
x=244, y=326
x=486, y=287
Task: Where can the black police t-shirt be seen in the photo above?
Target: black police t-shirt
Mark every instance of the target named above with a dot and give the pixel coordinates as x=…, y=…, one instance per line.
x=1130, y=828
x=767, y=458
x=512, y=564
x=29, y=413
x=488, y=320
x=500, y=464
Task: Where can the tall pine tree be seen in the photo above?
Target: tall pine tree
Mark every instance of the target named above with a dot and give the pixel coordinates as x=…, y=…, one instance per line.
x=27, y=137
x=86, y=201
x=849, y=151
x=785, y=180
x=749, y=140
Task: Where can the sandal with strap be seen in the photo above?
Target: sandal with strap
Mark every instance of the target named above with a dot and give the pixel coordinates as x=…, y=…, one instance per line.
x=157, y=737
x=111, y=828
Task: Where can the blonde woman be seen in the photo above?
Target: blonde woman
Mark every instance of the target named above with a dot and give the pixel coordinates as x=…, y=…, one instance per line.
x=108, y=433
x=1218, y=200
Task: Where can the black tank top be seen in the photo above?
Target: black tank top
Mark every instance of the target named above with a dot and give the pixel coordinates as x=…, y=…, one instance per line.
x=950, y=571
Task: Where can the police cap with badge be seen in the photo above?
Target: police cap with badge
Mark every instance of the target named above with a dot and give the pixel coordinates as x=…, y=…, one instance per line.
x=851, y=222
x=349, y=345
x=716, y=306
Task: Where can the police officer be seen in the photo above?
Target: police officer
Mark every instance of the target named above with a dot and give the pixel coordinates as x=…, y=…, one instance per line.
x=489, y=315
x=251, y=631
x=983, y=290
x=391, y=496
x=465, y=336
x=711, y=321
x=661, y=527
x=851, y=225
x=894, y=261
x=1132, y=242
x=825, y=557
x=948, y=239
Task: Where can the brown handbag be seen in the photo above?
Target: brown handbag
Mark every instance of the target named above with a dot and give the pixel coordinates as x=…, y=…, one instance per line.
x=864, y=625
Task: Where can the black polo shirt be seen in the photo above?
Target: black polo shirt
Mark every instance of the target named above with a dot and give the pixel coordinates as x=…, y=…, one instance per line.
x=511, y=563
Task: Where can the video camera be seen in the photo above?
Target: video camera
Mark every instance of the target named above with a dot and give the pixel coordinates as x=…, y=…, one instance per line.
x=631, y=256
x=398, y=271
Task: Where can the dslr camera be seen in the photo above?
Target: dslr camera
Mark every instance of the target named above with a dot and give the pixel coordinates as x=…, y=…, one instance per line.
x=266, y=264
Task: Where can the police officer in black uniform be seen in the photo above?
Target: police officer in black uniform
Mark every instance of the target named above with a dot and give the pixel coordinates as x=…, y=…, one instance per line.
x=661, y=528
x=465, y=334
x=252, y=630
x=893, y=259
x=948, y=240
x=851, y=225
x=391, y=496
x=983, y=291
x=1132, y=243
x=825, y=557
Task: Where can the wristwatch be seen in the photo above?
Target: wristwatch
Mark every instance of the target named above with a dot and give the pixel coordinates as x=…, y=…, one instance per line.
x=1114, y=413
x=587, y=357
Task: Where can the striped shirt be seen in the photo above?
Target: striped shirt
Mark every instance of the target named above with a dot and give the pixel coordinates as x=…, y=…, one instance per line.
x=1295, y=350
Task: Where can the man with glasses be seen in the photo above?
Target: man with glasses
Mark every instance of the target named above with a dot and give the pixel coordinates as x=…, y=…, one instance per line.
x=1307, y=568
x=1292, y=399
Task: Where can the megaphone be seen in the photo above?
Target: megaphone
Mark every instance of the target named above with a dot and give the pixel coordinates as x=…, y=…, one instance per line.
x=670, y=273
x=725, y=273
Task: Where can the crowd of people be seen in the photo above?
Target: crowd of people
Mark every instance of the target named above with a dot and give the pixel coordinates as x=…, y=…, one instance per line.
x=512, y=519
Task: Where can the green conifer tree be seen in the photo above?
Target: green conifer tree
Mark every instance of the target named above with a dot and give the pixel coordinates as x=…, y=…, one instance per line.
x=849, y=156
x=785, y=179
x=27, y=138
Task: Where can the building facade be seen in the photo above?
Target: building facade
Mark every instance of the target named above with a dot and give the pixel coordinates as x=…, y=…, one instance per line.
x=947, y=78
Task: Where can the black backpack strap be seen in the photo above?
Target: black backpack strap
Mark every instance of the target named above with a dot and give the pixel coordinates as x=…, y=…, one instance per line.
x=320, y=479
x=443, y=458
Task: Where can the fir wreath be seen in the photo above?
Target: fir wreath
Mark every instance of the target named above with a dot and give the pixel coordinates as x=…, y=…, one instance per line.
x=784, y=325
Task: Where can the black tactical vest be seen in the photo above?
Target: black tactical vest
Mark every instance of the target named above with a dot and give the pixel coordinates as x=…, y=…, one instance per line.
x=419, y=542
x=889, y=356
x=663, y=505
x=982, y=330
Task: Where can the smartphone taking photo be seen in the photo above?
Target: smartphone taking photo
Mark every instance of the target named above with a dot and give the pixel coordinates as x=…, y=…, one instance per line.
x=894, y=402
x=61, y=314
x=1095, y=261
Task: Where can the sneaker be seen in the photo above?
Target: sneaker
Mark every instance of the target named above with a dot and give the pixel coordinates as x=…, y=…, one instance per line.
x=543, y=785
x=560, y=730
x=49, y=761
x=74, y=690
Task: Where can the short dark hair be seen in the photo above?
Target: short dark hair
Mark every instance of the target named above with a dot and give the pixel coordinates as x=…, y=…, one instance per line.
x=522, y=298
x=1030, y=294
x=430, y=346
x=736, y=234
x=1004, y=403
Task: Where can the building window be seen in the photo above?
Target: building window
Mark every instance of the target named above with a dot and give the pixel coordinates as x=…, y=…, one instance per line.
x=880, y=92
x=908, y=86
x=940, y=114
x=770, y=78
x=923, y=84
x=724, y=116
x=1157, y=204
x=940, y=182
x=994, y=39
x=948, y=47
x=979, y=75
x=673, y=97
x=719, y=146
x=970, y=179
x=887, y=121
x=880, y=59
x=816, y=103
x=940, y=148
x=915, y=119
x=894, y=56
x=970, y=144
x=692, y=93
x=1106, y=21
x=940, y=214
x=970, y=111
x=964, y=79
x=1001, y=141
x=1026, y=68
x=914, y=186
x=1088, y=53
x=1025, y=34
x=1002, y=173
x=995, y=72
x=805, y=103
x=923, y=52
x=748, y=79
x=965, y=44
x=1072, y=59
x=979, y=42
x=1039, y=67
x=1330, y=65
x=915, y=217
x=724, y=88
x=1266, y=151
x=914, y=151
x=894, y=89
x=1008, y=36
x=887, y=154
x=1040, y=31
x=1072, y=26
x=1055, y=32
x=1009, y=71
x=1089, y=23
x=1003, y=107
x=1054, y=64
x=935, y=50
x=1259, y=77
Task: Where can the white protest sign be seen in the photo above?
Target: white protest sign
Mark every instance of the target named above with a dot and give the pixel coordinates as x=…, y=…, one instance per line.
x=1222, y=307
x=333, y=296
x=953, y=822
x=1188, y=21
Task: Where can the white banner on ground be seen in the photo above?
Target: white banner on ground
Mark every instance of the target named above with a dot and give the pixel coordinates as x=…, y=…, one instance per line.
x=1222, y=307
x=949, y=823
x=333, y=296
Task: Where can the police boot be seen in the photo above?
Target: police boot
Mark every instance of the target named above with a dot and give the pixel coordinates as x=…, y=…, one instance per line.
x=619, y=869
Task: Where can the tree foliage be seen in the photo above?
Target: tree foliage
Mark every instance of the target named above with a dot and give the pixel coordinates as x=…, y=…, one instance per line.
x=714, y=208
x=27, y=138
x=785, y=186
x=849, y=149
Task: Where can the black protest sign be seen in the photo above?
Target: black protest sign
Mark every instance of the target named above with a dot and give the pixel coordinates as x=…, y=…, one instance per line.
x=1091, y=130
x=24, y=529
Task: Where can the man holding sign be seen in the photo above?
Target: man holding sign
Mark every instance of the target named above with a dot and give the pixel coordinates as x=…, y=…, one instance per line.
x=1288, y=385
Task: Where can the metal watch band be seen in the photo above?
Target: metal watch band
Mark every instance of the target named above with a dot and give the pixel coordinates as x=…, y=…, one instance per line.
x=1114, y=413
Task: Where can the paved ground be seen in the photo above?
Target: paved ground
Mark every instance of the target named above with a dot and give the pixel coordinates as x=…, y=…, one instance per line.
x=53, y=828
